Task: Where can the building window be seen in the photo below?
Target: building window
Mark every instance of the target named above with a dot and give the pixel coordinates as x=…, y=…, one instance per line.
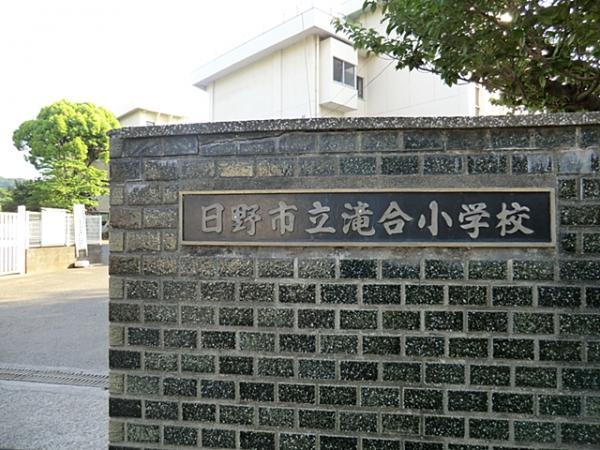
x=360, y=87
x=344, y=72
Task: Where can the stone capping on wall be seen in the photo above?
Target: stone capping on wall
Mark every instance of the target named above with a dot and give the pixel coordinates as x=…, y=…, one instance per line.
x=362, y=123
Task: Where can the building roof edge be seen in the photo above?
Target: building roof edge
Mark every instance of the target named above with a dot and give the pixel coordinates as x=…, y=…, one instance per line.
x=313, y=21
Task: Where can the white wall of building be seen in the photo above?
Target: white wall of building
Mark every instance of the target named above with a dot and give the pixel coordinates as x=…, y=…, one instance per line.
x=484, y=104
x=253, y=91
x=280, y=85
x=335, y=95
x=296, y=81
x=299, y=73
x=391, y=92
x=140, y=117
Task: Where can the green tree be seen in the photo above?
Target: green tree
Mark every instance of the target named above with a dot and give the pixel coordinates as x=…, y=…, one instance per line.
x=6, y=198
x=537, y=54
x=63, y=142
x=25, y=192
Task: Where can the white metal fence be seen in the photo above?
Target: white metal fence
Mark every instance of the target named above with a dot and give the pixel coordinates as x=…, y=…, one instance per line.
x=93, y=227
x=55, y=228
x=9, y=243
x=49, y=228
x=13, y=241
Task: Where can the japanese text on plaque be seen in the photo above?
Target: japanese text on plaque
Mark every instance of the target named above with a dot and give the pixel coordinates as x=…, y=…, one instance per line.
x=370, y=217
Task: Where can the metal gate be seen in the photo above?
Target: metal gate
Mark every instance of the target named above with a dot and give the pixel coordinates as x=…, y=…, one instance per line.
x=10, y=248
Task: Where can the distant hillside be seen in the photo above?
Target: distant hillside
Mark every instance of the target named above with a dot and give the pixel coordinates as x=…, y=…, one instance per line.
x=8, y=182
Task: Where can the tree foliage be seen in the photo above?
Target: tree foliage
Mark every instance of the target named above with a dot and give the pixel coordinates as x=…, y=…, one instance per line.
x=6, y=198
x=25, y=192
x=63, y=142
x=539, y=54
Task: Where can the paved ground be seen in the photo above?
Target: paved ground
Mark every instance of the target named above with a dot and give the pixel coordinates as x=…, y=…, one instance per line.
x=53, y=323
x=78, y=284
x=57, y=319
x=47, y=416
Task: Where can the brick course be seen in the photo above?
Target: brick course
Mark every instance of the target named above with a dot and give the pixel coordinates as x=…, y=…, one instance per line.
x=320, y=348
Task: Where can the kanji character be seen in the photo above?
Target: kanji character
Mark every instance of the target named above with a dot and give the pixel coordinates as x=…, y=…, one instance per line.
x=433, y=228
x=473, y=215
x=321, y=216
x=283, y=215
x=212, y=218
x=394, y=219
x=359, y=220
x=244, y=217
x=511, y=220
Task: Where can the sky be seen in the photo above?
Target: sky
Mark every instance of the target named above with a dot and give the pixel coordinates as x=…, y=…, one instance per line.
x=119, y=54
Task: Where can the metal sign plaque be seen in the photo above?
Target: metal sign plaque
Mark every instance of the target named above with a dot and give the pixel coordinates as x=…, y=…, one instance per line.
x=363, y=217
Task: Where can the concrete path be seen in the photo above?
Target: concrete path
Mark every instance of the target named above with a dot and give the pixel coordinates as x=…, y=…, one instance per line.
x=52, y=326
x=78, y=284
x=47, y=416
x=57, y=319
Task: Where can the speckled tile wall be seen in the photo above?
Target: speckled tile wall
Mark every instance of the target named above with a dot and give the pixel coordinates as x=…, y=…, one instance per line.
x=362, y=348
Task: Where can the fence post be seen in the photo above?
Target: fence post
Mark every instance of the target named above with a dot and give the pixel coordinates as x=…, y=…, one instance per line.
x=79, y=225
x=22, y=237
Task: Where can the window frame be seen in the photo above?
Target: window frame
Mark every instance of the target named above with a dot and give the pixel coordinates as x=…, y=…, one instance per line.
x=345, y=66
x=360, y=87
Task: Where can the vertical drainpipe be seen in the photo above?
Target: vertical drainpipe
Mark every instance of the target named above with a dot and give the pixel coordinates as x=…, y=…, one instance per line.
x=281, y=87
x=211, y=102
x=317, y=75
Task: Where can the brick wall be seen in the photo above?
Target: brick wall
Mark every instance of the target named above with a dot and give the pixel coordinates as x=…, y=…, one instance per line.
x=407, y=348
